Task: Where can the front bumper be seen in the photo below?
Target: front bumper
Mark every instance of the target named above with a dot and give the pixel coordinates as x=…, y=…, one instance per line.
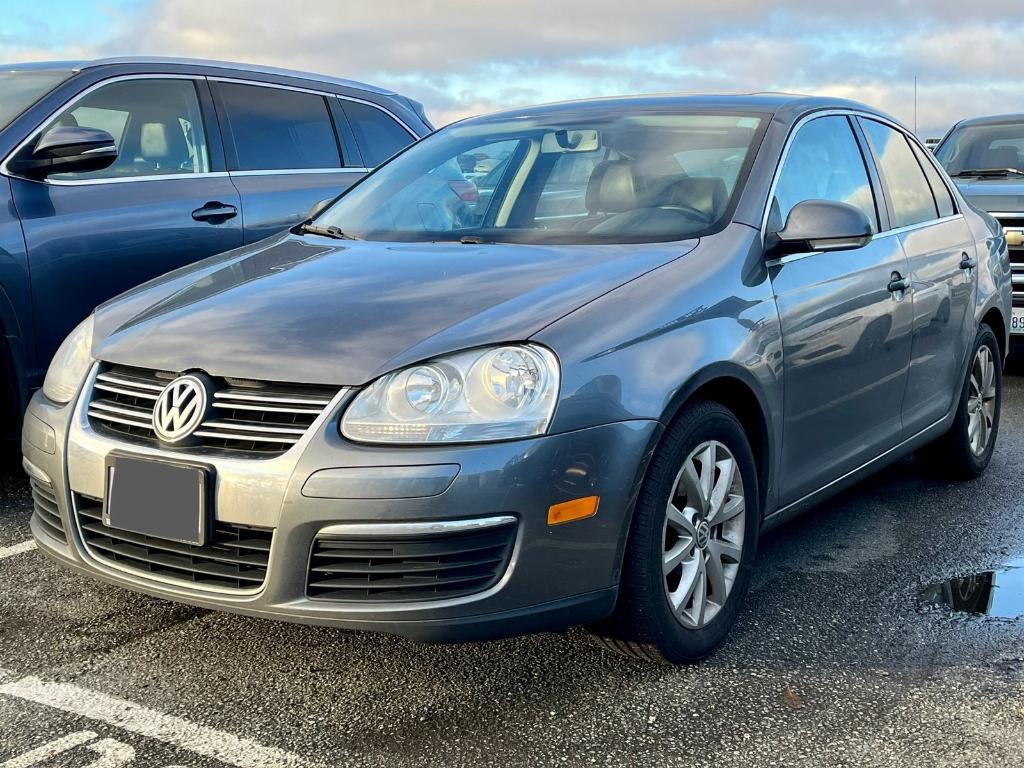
x=556, y=575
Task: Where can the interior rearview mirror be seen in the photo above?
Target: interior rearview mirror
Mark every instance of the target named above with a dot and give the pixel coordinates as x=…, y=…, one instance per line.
x=67, y=148
x=577, y=140
x=821, y=225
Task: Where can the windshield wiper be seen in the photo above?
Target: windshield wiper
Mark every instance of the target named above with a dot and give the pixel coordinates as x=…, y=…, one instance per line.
x=989, y=172
x=331, y=231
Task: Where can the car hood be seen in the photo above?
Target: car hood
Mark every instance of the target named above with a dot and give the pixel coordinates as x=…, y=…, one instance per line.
x=999, y=195
x=343, y=312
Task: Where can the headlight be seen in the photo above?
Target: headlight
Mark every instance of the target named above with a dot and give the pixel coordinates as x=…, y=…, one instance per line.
x=498, y=393
x=70, y=364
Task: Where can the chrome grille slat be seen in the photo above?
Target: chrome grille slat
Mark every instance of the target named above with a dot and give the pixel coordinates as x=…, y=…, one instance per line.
x=254, y=419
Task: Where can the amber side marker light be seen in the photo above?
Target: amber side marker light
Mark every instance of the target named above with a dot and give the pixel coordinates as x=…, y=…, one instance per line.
x=577, y=509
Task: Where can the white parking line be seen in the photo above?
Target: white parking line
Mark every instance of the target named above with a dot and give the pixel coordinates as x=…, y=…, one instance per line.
x=49, y=751
x=142, y=721
x=17, y=549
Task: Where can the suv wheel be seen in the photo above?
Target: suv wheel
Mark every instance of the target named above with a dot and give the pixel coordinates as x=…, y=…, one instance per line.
x=692, y=543
x=966, y=449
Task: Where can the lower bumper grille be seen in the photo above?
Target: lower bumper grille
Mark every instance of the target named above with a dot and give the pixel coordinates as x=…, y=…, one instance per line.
x=44, y=507
x=236, y=558
x=415, y=567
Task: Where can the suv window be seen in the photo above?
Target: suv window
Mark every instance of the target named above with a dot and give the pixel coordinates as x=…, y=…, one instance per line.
x=156, y=124
x=379, y=137
x=943, y=199
x=824, y=162
x=909, y=193
x=274, y=129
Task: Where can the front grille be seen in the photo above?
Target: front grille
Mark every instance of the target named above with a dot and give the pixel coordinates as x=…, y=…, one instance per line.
x=235, y=558
x=409, y=568
x=44, y=507
x=1016, y=260
x=253, y=418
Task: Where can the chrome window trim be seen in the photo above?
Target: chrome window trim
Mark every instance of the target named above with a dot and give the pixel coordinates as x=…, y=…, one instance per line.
x=1007, y=214
x=785, y=153
x=297, y=171
x=5, y=171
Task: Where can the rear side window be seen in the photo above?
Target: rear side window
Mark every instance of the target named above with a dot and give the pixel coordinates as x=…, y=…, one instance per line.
x=379, y=136
x=824, y=162
x=943, y=199
x=909, y=192
x=276, y=129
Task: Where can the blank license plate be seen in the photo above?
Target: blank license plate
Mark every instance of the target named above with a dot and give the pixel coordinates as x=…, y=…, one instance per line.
x=157, y=498
x=1017, y=321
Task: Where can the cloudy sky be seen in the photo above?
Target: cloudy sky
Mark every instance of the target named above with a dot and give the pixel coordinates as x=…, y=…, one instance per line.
x=463, y=57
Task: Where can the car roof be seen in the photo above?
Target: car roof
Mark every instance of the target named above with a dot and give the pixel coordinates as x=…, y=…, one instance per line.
x=1015, y=117
x=784, y=106
x=211, y=63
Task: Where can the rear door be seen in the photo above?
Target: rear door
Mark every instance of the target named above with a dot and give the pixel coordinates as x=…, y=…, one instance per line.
x=284, y=152
x=941, y=251
x=845, y=331
x=165, y=202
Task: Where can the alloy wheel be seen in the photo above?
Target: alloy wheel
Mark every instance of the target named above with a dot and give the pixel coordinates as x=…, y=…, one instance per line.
x=981, y=401
x=703, y=535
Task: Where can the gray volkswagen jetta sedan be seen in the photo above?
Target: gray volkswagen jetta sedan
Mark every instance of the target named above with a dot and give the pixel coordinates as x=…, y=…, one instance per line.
x=548, y=367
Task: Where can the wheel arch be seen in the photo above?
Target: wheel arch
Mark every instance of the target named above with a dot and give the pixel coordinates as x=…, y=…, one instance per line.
x=995, y=320
x=736, y=389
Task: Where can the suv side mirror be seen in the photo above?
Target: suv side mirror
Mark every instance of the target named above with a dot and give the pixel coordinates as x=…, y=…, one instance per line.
x=68, y=148
x=821, y=225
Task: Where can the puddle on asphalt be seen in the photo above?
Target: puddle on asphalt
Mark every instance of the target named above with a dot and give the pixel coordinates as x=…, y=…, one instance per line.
x=999, y=594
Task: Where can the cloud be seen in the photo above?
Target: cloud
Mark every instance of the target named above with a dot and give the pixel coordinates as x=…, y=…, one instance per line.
x=466, y=56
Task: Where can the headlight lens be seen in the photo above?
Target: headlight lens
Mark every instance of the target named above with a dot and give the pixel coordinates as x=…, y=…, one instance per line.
x=498, y=393
x=70, y=364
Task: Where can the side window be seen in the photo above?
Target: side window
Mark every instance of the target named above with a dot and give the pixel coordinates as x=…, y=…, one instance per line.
x=943, y=199
x=379, y=137
x=909, y=193
x=824, y=162
x=156, y=124
x=274, y=129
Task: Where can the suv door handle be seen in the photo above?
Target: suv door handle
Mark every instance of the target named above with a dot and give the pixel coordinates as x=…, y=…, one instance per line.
x=967, y=262
x=215, y=212
x=899, y=284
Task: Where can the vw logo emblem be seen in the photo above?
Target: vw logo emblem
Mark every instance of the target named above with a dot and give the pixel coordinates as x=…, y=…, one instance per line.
x=180, y=409
x=703, y=534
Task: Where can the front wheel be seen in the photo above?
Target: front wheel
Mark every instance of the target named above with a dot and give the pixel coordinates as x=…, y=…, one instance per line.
x=692, y=542
x=966, y=449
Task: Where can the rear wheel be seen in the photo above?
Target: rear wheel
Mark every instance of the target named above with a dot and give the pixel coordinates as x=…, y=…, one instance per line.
x=692, y=543
x=966, y=449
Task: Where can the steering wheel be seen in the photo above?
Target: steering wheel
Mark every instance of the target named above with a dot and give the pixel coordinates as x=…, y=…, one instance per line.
x=689, y=210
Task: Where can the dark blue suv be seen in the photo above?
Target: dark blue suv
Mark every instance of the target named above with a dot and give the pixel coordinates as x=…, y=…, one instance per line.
x=118, y=170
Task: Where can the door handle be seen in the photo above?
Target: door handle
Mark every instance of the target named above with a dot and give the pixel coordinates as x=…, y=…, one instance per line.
x=215, y=212
x=899, y=284
x=967, y=262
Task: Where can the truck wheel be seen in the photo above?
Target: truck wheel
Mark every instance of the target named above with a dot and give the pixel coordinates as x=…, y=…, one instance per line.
x=692, y=543
x=966, y=449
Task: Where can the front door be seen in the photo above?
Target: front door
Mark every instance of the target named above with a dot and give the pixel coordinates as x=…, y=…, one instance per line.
x=91, y=236
x=846, y=335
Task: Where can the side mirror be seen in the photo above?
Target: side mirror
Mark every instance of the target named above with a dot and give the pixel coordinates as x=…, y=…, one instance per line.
x=67, y=148
x=821, y=225
x=318, y=208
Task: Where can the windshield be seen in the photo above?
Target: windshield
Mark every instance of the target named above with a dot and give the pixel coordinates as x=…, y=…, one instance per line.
x=20, y=89
x=993, y=148
x=596, y=176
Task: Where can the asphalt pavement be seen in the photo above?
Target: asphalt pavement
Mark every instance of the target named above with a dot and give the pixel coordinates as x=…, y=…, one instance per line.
x=837, y=660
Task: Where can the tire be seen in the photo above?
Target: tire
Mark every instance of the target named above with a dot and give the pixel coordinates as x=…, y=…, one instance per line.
x=956, y=454
x=673, y=528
